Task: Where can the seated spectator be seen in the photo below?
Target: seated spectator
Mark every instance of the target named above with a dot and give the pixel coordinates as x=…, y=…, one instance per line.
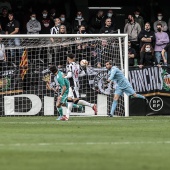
x=4, y=19
x=162, y=39
x=95, y=23
x=147, y=57
x=33, y=25
x=79, y=20
x=146, y=36
x=62, y=29
x=138, y=18
x=131, y=54
x=82, y=30
x=107, y=29
x=66, y=23
x=159, y=21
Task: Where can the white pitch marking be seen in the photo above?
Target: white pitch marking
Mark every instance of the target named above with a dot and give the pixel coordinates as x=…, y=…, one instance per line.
x=85, y=143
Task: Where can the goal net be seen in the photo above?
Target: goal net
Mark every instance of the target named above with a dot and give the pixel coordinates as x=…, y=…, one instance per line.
x=24, y=74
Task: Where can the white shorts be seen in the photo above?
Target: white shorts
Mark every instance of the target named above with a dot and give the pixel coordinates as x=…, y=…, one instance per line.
x=73, y=93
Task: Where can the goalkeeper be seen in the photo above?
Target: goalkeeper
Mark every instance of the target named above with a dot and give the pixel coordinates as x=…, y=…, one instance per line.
x=123, y=85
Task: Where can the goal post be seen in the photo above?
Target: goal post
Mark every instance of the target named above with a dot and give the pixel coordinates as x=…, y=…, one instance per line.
x=22, y=88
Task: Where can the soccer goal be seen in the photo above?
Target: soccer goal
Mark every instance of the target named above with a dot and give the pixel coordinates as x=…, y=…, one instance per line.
x=24, y=74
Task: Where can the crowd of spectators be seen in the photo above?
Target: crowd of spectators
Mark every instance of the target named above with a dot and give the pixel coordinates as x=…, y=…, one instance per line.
x=148, y=44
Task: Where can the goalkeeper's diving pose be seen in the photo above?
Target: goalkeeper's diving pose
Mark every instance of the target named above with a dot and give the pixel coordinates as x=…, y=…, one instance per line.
x=123, y=85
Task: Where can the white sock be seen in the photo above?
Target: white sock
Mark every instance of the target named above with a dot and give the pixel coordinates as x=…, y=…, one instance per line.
x=84, y=103
x=69, y=108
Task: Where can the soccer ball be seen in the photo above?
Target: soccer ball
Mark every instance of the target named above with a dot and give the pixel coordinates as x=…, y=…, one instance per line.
x=84, y=63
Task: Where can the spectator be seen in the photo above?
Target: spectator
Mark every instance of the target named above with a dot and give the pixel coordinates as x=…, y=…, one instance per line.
x=147, y=57
x=162, y=39
x=82, y=30
x=1, y=31
x=55, y=29
x=2, y=56
x=53, y=14
x=107, y=28
x=103, y=53
x=33, y=25
x=166, y=55
x=4, y=18
x=46, y=23
x=66, y=23
x=169, y=24
x=138, y=18
x=13, y=28
x=146, y=36
x=79, y=20
x=95, y=23
x=133, y=29
x=159, y=21
x=131, y=54
x=112, y=17
x=62, y=29
x=5, y=4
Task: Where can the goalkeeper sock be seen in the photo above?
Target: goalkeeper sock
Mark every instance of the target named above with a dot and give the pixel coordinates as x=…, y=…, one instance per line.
x=69, y=108
x=140, y=96
x=60, y=111
x=84, y=103
x=114, y=104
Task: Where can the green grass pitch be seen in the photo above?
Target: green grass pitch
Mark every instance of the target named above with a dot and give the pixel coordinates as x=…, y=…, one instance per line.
x=85, y=143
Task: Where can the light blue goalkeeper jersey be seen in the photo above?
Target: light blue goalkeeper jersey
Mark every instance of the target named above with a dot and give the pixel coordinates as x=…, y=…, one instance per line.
x=116, y=75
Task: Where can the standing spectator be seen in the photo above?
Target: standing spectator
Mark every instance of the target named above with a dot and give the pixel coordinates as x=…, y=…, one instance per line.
x=138, y=18
x=166, y=55
x=159, y=21
x=66, y=23
x=133, y=29
x=46, y=23
x=107, y=28
x=146, y=36
x=131, y=54
x=169, y=24
x=33, y=25
x=147, y=57
x=13, y=28
x=2, y=56
x=4, y=18
x=162, y=39
x=55, y=29
x=95, y=23
x=79, y=20
x=1, y=31
x=53, y=14
x=112, y=17
x=5, y=4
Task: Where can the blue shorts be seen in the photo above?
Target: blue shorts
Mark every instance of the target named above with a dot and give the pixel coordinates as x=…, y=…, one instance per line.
x=129, y=91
